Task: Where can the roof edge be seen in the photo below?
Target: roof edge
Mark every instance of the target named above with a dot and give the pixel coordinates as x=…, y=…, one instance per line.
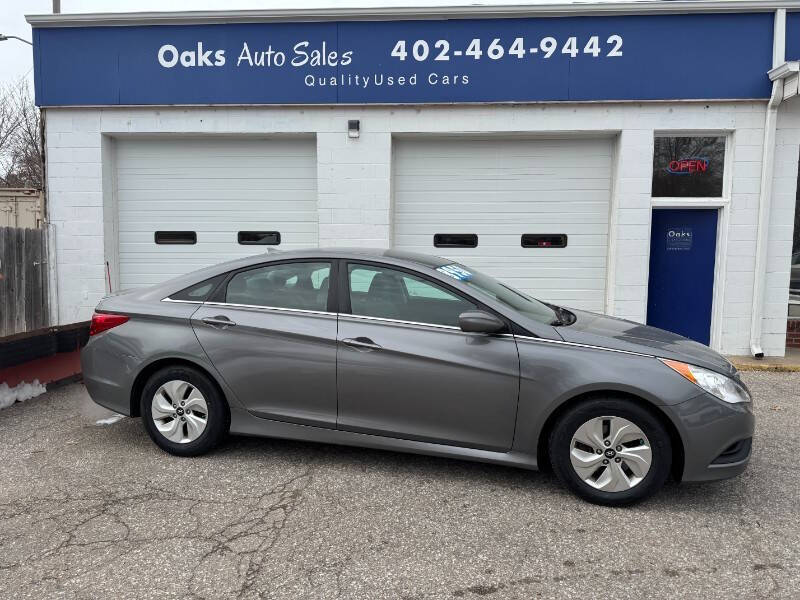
x=784, y=70
x=466, y=11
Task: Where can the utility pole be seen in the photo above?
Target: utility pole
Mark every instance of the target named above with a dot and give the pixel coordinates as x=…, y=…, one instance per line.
x=56, y=6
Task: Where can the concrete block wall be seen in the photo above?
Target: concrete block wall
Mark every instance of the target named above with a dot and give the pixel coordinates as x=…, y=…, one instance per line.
x=75, y=209
x=744, y=185
x=355, y=182
x=629, y=255
x=781, y=228
x=354, y=188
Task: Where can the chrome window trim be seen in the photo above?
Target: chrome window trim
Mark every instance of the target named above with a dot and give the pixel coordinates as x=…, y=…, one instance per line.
x=271, y=308
x=332, y=314
x=399, y=321
x=577, y=345
x=168, y=299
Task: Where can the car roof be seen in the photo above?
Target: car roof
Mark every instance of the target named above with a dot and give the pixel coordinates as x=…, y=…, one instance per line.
x=427, y=260
x=378, y=254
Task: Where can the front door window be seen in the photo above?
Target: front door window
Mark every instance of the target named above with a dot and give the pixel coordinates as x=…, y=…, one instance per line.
x=392, y=294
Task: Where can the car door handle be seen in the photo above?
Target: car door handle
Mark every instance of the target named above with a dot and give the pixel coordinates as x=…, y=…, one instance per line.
x=219, y=321
x=361, y=343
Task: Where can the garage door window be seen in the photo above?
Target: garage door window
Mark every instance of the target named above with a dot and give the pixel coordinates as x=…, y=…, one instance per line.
x=544, y=240
x=300, y=286
x=688, y=167
x=391, y=294
x=176, y=237
x=455, y=240
x=259, y=238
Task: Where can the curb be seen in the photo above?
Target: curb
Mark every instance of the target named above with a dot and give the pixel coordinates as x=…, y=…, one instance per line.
x=64, y=381
x=767, y=367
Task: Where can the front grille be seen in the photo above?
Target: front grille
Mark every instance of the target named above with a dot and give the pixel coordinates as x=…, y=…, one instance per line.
x=736, y=452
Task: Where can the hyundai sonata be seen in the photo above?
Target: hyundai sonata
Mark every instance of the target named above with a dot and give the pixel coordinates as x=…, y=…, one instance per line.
x=414, y=353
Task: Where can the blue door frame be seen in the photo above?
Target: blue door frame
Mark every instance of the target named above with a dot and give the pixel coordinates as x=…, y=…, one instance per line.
x=680, y=291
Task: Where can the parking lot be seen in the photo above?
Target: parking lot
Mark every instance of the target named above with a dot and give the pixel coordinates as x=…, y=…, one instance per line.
x=93, y=509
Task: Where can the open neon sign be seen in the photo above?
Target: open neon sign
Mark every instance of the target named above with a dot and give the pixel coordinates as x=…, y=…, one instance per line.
x=687, y=166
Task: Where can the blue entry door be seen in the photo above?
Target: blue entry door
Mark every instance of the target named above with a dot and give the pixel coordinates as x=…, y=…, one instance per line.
x=683, y=245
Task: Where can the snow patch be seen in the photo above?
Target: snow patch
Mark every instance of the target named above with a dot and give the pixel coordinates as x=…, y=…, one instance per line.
x=110, y=420
x=20, y=393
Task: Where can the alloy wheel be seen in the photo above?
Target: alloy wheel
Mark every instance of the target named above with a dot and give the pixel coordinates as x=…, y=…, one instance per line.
x=611, y=454
x=180, y=411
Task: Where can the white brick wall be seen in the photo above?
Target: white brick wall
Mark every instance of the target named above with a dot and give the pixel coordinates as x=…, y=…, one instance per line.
x=355, y=185
x=781, y=228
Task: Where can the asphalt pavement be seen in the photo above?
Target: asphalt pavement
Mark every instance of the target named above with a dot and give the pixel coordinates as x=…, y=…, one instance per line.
x=90, y=508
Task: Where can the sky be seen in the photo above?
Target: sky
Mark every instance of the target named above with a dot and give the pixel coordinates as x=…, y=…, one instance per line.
x=16, y=58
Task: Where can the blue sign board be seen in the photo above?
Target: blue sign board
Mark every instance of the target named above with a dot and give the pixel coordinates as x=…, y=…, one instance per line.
x=638, y=57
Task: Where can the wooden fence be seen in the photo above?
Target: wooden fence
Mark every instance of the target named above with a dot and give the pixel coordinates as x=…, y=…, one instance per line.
x=23, y=280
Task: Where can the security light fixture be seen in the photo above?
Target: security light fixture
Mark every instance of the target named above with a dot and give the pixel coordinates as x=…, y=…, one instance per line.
x=353, y=128
x=3, y=38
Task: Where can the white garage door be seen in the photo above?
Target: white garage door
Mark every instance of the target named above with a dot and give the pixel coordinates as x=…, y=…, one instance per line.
x=214, y=187
x=500, y=189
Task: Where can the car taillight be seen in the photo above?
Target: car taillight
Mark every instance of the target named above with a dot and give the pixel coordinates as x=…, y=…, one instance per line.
x=103, y=321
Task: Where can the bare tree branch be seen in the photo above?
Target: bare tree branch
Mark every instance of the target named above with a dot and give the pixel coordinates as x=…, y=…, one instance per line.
x=9, y=122
x=20, y=126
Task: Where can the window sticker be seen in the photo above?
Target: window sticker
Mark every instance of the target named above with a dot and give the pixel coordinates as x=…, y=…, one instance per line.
x=679, y=238
x=455, y=272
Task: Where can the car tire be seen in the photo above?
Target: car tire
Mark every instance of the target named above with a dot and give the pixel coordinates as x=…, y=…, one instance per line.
x=200, y=417
x=599, y=450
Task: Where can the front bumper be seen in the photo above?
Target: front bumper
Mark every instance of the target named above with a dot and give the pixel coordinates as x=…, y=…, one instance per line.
x=717, y=437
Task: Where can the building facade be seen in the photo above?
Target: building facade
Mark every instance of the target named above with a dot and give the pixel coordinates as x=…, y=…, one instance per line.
x=637, y=159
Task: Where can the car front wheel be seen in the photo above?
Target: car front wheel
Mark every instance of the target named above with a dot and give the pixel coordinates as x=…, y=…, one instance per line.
x=610, y=451
x=183, y=411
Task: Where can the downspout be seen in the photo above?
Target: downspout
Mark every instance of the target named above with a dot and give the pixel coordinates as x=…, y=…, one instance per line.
x=765, y=191
x=52, y=256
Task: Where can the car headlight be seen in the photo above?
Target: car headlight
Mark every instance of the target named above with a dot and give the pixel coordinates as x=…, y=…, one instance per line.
x=714, y=383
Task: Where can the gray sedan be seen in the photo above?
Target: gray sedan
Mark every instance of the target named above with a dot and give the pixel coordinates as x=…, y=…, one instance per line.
x=414, y=353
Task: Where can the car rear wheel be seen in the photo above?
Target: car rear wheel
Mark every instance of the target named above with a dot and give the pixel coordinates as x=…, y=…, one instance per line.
x=610, y=451
x=183, y=411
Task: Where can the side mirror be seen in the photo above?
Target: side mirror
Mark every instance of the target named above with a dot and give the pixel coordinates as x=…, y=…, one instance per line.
x=479, y=321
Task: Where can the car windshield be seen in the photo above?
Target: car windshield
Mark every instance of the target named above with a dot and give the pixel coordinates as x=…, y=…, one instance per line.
x=488, y=286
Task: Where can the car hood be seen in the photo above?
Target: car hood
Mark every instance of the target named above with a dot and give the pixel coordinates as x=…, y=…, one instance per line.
x=618, y=334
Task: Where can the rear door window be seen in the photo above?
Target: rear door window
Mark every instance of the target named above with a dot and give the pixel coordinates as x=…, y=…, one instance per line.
x=296, y=285
x=199, y=292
